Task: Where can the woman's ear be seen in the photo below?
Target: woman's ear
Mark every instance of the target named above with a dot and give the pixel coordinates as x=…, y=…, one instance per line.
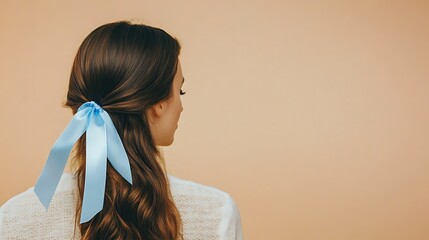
x=155, y=111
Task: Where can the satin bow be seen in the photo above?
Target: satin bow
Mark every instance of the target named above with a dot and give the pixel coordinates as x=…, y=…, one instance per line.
x=102, y=143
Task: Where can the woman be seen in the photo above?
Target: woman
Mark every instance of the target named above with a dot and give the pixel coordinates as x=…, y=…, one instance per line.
x=124, y=92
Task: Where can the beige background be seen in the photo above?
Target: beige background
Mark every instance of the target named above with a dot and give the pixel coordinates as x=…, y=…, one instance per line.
x=313, y=115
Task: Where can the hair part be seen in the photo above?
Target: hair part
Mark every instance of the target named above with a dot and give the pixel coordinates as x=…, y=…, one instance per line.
x=127, y=68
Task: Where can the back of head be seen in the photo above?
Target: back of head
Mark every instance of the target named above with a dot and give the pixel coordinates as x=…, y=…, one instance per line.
x=126, y=68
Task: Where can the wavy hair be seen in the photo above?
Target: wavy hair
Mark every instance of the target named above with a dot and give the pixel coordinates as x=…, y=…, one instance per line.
x=126, y=68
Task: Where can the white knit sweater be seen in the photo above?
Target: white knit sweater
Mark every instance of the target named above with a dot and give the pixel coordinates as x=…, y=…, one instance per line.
x=207, y=213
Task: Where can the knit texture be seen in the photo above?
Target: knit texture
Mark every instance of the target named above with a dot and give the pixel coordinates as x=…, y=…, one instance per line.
x=207, y=213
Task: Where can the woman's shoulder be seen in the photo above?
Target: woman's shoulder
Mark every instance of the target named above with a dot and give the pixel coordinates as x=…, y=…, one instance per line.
x=65, y=187
x=191, y=191
x=206, y=208
x=182, y=186
x=22, y=214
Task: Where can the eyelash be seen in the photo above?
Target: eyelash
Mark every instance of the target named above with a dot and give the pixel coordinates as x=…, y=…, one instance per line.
x=181, y=92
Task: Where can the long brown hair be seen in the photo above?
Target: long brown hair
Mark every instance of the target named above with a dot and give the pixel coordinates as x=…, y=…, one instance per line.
x=126, y=68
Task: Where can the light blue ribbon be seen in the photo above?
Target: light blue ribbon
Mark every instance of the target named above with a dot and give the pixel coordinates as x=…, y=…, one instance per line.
x=102, y=143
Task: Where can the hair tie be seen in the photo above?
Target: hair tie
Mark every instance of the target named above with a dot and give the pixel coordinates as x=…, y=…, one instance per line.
x=102, y=143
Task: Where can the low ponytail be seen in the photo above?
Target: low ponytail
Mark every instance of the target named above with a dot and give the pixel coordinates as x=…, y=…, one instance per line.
x=126, y=68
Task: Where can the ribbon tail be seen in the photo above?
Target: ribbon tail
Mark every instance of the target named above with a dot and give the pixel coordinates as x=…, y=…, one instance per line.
x=116, y=153
x=96, y=164
x=58, y=156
